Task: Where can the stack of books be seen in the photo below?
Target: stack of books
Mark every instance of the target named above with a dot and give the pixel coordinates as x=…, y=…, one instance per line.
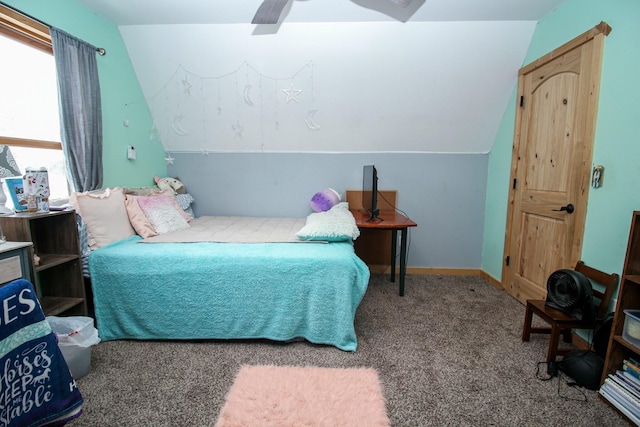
x=622, y=390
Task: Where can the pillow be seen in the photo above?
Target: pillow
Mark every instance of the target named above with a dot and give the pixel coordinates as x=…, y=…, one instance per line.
x=162, y=213
x=335, y=225
x=184, y=201
x=137, y=218
x=105, y=215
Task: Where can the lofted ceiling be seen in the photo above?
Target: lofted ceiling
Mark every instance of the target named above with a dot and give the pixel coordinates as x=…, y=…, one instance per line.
x=153, y=12
x=367, y=75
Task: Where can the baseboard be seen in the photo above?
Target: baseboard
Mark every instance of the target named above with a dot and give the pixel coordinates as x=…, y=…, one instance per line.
x=444, y=271
x=386, y=269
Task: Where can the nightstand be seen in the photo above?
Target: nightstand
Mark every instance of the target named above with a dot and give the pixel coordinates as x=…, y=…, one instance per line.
x=15, y=261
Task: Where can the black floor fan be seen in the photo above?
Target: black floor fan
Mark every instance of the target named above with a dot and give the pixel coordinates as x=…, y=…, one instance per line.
x=570, y=292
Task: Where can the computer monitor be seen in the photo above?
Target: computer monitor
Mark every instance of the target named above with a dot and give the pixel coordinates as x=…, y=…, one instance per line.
x=370, y=191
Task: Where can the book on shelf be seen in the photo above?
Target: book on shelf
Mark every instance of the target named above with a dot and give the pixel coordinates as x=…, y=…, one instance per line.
x=630, y=367
x=620, y=381
x=616, y=392
x=633, y=382
x=633, y=363
x=605, y=394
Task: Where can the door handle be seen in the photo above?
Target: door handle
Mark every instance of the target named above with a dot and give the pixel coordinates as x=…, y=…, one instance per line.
x=569, y=208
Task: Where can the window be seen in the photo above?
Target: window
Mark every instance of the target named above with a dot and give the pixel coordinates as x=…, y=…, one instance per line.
x=29, y=116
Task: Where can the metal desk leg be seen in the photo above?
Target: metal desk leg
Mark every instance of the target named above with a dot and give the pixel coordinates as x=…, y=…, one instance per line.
x=394, y=245
x=403, y=259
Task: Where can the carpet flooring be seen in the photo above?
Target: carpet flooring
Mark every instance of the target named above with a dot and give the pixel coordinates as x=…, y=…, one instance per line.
x=448, y=353
x=294, y=396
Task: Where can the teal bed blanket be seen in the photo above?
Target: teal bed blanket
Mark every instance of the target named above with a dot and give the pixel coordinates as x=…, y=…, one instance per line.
x=207, y=290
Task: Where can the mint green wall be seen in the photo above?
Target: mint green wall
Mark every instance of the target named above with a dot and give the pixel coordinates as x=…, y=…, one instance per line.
x=122, y=97
x=617, y=144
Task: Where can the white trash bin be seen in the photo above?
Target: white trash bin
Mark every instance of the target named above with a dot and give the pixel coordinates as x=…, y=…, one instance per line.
x=76, y=335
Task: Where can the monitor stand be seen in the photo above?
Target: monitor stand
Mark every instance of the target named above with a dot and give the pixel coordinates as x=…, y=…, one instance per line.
x=375, y=216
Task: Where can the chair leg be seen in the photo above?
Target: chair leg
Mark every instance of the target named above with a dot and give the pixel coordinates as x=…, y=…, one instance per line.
x=528, y=318
x=553, y=343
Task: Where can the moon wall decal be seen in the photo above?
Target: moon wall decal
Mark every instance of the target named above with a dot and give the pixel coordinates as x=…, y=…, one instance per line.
x=177, y=127
x=309, y=120
x=247, y=95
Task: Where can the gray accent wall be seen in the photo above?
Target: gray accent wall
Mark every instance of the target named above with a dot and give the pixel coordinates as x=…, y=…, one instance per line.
x=443, y=193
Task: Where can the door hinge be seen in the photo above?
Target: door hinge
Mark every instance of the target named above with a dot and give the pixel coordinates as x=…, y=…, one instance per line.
x=514, y=183
x=522, y=100
x=506, y=260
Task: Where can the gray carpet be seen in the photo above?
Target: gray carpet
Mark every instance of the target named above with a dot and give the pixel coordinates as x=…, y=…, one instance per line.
x=448, y=354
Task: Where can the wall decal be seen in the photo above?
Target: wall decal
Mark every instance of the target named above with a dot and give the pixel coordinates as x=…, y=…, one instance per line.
x=292, y=93
x=186, y=85
x=177, y=126
x=239, y=110
x=309, y=120
x=237, y=130
x=247, y=95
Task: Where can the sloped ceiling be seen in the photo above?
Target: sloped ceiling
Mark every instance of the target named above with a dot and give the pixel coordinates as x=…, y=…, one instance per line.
x=152, y=12
x=333, y=76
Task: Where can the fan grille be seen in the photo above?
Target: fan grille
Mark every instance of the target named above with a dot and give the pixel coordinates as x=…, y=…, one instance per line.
x=564, y=290
x=570, y=291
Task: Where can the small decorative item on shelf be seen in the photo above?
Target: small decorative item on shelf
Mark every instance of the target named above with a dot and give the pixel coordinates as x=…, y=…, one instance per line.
x=2, y=238
x=16, y=191
x=8, y=168
x=36, y=188
x=3, y=199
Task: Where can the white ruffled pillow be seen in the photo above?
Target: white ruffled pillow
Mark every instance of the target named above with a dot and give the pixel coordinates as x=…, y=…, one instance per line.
x=104, y=214
x=335, y=225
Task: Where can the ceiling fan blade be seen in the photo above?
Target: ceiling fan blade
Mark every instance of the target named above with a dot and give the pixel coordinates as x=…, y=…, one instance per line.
x=269, y=12
x=403, y=3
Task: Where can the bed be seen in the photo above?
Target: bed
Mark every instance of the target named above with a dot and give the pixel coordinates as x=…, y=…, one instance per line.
x=196, y=283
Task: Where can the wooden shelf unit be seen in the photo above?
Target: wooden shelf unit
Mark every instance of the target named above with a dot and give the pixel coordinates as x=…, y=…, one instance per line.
x=628, y=298
x=58, y=276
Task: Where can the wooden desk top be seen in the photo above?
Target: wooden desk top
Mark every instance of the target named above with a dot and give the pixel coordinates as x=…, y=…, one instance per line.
x=388, y=220
x=9, y=246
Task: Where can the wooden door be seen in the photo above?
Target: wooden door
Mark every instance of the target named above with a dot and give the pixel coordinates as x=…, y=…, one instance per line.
x=551, y=163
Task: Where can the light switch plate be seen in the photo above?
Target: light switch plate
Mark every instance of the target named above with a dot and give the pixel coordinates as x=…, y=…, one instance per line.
x=131, y=153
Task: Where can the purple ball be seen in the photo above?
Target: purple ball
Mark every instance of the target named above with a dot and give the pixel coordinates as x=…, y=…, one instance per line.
x=325, y=200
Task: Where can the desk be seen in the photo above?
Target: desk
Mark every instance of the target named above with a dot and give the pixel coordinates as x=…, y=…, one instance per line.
x=394, y=221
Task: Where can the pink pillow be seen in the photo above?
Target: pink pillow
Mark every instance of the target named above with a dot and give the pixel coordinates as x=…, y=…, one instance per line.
x=137, y=218
x=162, y=213
x=104, y=214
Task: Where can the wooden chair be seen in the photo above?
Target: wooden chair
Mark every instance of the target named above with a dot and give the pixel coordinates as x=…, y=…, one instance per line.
x=561, y=323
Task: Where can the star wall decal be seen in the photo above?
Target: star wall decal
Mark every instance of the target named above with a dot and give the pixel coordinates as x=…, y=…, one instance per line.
x=186, y=85
x=237, y=130
x=153, y=133
x=169, y=159
x=292, y=93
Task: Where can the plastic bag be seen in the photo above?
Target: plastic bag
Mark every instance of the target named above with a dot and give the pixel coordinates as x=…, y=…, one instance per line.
x=76, y=335
x=74, y=330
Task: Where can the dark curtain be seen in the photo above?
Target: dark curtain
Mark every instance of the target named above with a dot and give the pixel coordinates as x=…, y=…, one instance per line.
x=80, y=110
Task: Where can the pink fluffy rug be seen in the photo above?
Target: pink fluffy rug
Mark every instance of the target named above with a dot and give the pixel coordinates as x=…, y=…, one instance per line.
x=304, y=396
